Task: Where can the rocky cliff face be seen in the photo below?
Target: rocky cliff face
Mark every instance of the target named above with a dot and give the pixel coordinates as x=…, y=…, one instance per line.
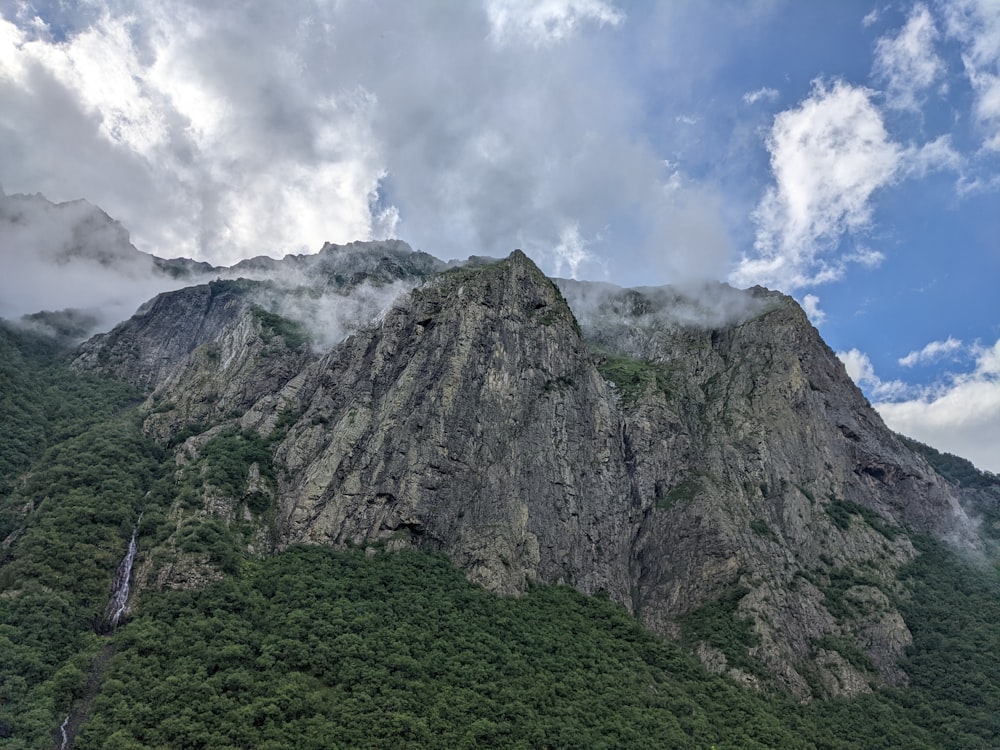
x=471, y=420
x=761, y=466
x=681, y=456
x=147, y=348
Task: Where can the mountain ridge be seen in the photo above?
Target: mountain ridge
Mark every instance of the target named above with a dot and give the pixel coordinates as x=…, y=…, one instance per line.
x=665, y=458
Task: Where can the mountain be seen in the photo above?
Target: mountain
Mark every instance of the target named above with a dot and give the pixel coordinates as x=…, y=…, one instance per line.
x=78, y=265
x=697, y=456
x=665, y=463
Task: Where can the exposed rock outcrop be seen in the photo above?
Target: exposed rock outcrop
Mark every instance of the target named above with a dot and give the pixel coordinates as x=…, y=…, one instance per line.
x=449, y=425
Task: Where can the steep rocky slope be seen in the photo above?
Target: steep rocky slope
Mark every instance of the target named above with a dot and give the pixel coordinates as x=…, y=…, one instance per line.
x=765, y=471
x=471, y=420
x=684, y=456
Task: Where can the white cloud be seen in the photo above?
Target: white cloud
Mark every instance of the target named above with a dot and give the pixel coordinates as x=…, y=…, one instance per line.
x=204, y=150
x=859, y=367
x=810, y=303
x=959, y=415
x=932, y=156
x=217, y=133
x=571, y=252
x=828, y=156
x=976, y=25
x=962, y=417
x=540, y=22
x=764, y=93
x=101, y=66
x=865, y=256
x=907, y=62
x=934, y=351
x=871, y=17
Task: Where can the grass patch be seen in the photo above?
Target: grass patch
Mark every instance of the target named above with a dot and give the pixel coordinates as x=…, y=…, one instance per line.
x=760, y=528
x=841, y=512
x=718, y=625
x=682, y=493
x=273, y=325
x=633, y=377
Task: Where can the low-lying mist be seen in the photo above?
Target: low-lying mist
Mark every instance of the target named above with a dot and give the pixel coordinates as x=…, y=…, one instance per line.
x=705, y=305
x=75, y=259
x=70, y=270
x=331, y=315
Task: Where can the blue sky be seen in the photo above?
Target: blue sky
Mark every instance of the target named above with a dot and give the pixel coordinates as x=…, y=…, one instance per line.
x=847, y=153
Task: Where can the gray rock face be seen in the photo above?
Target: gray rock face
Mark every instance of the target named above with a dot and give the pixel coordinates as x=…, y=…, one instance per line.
x=146, y=348
x=344, y=265
x=663, y=449
x=449, y=427
x=759, y=463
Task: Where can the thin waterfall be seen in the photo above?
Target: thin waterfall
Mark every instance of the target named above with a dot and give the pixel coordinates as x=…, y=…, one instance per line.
x=118, y=606
x=113, y=616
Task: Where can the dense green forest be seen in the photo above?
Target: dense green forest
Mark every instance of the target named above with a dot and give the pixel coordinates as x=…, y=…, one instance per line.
x=73, y=469
x=322, y=648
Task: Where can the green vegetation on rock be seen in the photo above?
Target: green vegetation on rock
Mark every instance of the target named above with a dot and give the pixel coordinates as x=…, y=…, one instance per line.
x=959, y=470
x=76, y=473
x=841, y=511
x=43, y=402
x=719, y=626
x=294, y=333
x=633, y=377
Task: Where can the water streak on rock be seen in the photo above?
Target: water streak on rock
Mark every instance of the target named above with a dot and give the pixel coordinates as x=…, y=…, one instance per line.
x=120, y=589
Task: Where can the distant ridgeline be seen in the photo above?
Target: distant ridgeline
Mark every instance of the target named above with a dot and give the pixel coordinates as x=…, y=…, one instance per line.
x=370, y=499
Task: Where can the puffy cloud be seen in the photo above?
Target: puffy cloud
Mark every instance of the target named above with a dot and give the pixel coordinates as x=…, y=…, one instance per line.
x=859, y=367
x=960, y=415
x=810, y=303
x=907, y=62
x=204, y=150
x=221, y=131
x=829, y=156
x=934, y=351
x=976, y=25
